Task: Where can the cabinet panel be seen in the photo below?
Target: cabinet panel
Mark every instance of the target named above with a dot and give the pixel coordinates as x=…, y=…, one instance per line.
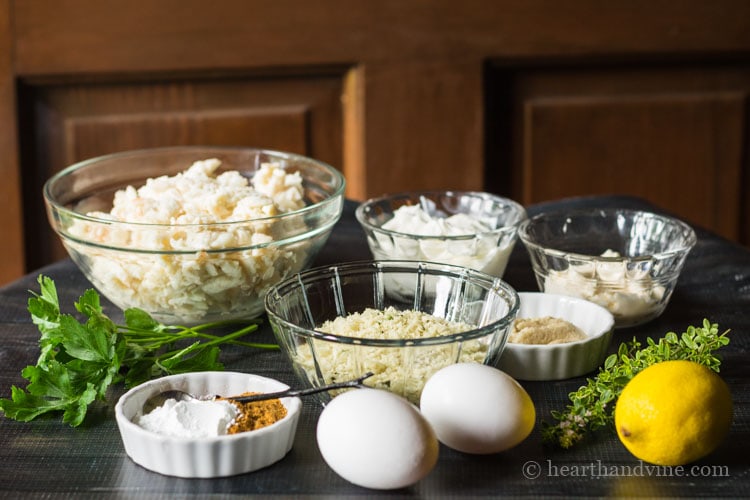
x=282, y=128
x=680, y=152
x=675, y=136
x=80, y=36
x=424, y=126
x=66, y=123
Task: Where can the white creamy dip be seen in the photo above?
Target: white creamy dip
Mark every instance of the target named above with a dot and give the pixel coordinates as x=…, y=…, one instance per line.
x=486, y=251
x=413, y=219
x=190, y=419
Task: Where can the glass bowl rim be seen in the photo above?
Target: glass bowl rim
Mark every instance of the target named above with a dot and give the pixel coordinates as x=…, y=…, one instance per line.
x=688, y=244
x=359, y=213
x=72, y=214
x=416, y=267
x=221, y=252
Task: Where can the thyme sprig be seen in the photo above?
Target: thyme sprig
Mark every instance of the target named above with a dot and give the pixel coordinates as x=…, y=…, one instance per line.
x=592, y=405
x=80, y=360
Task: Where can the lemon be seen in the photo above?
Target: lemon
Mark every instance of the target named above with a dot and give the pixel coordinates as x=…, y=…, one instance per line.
x=673, y=413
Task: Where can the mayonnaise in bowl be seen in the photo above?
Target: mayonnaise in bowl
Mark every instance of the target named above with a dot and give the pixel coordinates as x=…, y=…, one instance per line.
x=468, y=229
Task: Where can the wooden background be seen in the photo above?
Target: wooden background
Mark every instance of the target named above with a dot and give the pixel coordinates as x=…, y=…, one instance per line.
x=531, y=99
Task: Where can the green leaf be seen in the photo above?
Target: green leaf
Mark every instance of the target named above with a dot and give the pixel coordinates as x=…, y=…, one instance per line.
x=192, y=358
x=140, y=371
x=49, y=390
x=687, y=340
x=25, y=407
x=139, y=319
x=87, y=342
x=45, y=308
x=89, y=304
x=79, y=361
x=610, y=362
x=53, y=381
x=76, y=410
x=204, y=360
x=44, y=314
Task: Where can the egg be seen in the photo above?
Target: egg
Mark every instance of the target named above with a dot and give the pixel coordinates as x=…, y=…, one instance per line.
x=475, y=408
x=376, y=439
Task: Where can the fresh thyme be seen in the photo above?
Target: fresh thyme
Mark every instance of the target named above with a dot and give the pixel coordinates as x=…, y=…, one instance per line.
x=79, y=361
x=592, y=405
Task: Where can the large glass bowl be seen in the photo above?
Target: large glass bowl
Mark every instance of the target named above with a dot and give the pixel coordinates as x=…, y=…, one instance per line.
x=197, y=272
x=422, y=235
x=298, y=306
x=627, y=261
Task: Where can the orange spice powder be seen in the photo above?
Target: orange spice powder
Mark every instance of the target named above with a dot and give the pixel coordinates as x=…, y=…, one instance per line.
x=256, y=415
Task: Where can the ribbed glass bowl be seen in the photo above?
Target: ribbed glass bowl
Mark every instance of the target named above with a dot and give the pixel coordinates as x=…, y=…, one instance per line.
x=486, y=250
x=298, y=306
x=567, y=251
x=189, y=273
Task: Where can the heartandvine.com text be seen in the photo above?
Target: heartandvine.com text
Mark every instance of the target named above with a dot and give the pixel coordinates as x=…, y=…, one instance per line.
x=534, y=470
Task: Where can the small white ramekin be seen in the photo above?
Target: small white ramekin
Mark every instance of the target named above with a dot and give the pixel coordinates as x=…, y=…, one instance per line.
x=213, y=456
x=559, y=361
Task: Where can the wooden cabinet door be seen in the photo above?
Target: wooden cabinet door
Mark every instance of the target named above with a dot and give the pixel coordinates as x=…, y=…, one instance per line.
x=67, y=123
x=537, y=99
x=673, y=136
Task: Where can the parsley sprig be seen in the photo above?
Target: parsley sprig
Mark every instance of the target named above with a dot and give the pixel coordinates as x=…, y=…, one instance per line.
x=79, y=361
x=592, y=405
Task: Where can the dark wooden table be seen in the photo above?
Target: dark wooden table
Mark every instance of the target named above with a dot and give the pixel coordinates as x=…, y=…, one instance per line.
x=47, y=458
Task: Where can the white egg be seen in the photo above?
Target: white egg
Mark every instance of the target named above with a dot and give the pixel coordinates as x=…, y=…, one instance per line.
x=376, y=439
x=476, y=408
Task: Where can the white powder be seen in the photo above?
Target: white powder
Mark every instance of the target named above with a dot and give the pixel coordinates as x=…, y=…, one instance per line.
x=190, y=419
x=486, y=252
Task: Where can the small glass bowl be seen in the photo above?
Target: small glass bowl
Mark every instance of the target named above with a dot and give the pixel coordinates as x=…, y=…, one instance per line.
x=486, y=250
x=627, y=261
x=299, y=305
x=189, y=273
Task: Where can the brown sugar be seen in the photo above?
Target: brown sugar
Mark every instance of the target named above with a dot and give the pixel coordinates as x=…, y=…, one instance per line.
x=256, y=415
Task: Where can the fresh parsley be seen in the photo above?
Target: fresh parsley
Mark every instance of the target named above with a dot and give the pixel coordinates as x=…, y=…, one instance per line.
x=79, y=361
x=592, y=405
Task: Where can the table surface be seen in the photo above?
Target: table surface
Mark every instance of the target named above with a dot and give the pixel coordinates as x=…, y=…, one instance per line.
x=47, y=458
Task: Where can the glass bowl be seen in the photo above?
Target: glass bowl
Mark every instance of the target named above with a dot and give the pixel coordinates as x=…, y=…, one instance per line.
x=191, y=270
x=462, y=228
x=298, y=306
x=627, y=261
